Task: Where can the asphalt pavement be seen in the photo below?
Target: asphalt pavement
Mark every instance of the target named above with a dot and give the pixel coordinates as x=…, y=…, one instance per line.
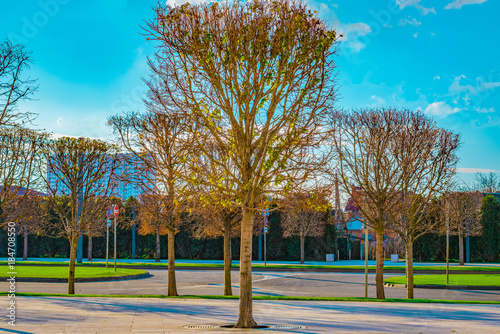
x=155, y=315
x=210, y=282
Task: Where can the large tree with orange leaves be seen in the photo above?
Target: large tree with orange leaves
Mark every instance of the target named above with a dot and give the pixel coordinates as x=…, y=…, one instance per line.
x=257, y=79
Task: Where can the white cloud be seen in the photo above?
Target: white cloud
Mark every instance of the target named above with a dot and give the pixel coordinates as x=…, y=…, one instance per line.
x=415, y=35
x=413, y=22
x=484, y=110
x=377, y=99
x=457, y=88
x=490, y=85
x=407, y=3
x=486, y=123
x=476, y=170
x=352, y=32
x=441, y=109
x=437, y=77
x=459, y=3
x=174, y=3
x=59, y=121
x=415, y=3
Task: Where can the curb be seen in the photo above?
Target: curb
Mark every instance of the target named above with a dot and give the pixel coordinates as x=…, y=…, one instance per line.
x=79, y=280
x=446, y=287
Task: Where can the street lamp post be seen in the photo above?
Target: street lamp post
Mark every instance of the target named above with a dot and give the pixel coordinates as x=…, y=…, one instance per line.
x=116, y=211
x=108, y=223
x=366, y=260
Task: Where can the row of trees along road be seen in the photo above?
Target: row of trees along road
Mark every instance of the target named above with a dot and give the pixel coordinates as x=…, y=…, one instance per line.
x=19, y=145
x=26, y=155
x=240, y=109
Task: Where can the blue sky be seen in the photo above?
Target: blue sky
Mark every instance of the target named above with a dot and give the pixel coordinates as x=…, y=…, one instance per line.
x=441, y=56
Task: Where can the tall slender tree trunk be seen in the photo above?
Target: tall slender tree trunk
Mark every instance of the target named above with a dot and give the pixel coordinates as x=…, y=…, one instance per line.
x=227, y=259
x=89, y=250
x=172, y=285
x=409, y=269
x=461, y=247
x=25, y=251
x=302, y=256
x=73, y=244
x=158, y=244
x=379, y=253
x=245, y=319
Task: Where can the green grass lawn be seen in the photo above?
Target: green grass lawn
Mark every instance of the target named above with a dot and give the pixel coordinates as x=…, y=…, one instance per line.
x=62, y=272
x=478, y=279
x=284, y=266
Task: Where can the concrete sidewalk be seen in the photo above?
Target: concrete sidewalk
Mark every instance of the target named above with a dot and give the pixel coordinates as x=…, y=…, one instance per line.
x=133, y=315
x=319, y=263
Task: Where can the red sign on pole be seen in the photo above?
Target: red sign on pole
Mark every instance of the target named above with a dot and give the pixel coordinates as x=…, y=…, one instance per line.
x=116, y=210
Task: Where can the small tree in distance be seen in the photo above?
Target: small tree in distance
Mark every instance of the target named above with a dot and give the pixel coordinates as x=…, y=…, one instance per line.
x=25, y=209
x=305, y=215
x=487, y=183
x=461, y=214
x=151, y=219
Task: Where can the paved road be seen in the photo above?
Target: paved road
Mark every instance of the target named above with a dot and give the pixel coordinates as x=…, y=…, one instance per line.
x=180, y=262
x=155, y=315
x=209, y=282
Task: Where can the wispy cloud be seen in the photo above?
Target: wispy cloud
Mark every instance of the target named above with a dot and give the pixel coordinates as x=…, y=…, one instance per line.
x=484, y=110
x=352, y=33
x=476, y=170
x=413, y=22
x=486, y=123
x=415, y=3
x=457, y=4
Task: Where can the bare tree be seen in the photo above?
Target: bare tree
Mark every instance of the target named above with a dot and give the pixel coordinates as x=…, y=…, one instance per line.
x=305, y=215
x=96, y=221
x=19, y=161
x=158, y=139
x=487, y=183
x=151, y=219
x=79, y=171
x=257, y=79
x=398, y=160
x=215, y=217
x=460, y=214
x=14, y=85
x=25, y=210
x=426, y=157
x=216, y=213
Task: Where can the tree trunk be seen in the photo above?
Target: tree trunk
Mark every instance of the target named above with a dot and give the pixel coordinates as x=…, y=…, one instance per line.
x=302, y=257
x=227, y=259
x=25, y=251
x=73, y=244
x=89, y=250
x=245, y=319
x=409, y=269
x=461, y=247
x=379, y=276
x=158, y=244
x=172, y=286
